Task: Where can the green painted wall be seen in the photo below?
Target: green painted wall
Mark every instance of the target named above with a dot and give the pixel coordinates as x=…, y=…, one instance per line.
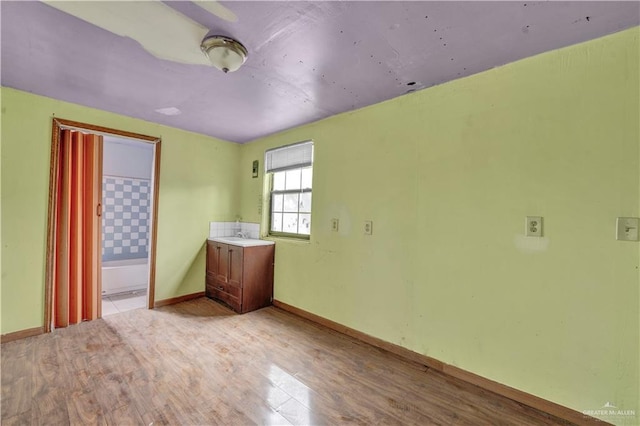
x=448, y=175
x=1, y=112
x=198, y=183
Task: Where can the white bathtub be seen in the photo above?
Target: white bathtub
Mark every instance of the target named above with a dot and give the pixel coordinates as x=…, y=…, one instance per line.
x=120, y=276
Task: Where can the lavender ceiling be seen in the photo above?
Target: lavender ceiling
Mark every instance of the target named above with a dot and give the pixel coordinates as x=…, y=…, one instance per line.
x=307, y=60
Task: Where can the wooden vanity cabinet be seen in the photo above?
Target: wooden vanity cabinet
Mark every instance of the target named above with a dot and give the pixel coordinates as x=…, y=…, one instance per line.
x=241, y=277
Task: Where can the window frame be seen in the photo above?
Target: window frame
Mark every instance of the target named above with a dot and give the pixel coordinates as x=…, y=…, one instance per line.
x=272, y=191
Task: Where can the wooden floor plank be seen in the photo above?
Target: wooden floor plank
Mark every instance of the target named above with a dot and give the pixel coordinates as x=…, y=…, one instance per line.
x=50, y=407
x=197, y=362
x=84, y=408
x=16, y=365
x=124, y=415
x=18, y=420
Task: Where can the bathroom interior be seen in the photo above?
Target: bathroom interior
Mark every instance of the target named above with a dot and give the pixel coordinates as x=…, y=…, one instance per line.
x=126, y=199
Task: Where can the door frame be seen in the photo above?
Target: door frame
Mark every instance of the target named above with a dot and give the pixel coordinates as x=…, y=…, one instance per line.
x=58, y=125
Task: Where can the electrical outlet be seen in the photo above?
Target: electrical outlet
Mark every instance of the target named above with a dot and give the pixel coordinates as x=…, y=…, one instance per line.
x=368, y=227
x=334, y=225
x=533, y=226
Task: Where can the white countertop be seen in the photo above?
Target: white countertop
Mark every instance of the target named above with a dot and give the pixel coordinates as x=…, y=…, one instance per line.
x=242, y=242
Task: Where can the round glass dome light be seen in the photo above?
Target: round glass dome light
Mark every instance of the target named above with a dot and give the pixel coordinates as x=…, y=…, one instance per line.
x=225, y=53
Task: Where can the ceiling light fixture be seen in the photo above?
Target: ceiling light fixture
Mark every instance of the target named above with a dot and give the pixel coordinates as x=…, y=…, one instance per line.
x=225, y=53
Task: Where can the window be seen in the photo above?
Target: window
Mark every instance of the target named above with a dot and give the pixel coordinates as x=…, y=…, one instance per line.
x=290, y=172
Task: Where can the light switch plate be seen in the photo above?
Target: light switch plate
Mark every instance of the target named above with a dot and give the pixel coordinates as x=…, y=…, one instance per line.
x=627, y=228
x=334, y=225
x=533, y=226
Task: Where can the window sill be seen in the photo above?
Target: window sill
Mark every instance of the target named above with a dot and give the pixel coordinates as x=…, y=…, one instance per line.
x=277, y=238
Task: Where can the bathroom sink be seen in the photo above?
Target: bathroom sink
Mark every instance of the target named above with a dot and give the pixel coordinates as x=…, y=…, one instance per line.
x=242, y=242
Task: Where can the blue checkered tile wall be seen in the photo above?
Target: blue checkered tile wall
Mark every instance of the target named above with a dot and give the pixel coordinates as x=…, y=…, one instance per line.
x=125, y=221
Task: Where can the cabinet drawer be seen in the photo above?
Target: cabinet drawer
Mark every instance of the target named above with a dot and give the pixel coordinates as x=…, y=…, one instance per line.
x=224, y=287
x=230, y=300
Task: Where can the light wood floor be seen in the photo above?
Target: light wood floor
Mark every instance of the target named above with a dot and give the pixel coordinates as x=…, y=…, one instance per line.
x=198, y=363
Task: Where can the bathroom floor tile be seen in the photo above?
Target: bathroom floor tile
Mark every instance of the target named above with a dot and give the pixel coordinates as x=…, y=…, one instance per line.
x=108, y=308
x=128, y=304
x=123, y=302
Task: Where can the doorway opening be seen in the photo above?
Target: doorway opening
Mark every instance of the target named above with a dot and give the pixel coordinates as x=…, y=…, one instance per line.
x=100, y=255
x=127, y=172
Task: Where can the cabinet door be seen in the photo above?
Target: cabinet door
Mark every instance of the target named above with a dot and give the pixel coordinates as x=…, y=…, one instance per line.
x=236, y=263
x=223, y=263
x=213, y=255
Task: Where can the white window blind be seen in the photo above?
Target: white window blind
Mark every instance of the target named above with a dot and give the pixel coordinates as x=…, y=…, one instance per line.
x=289, y=157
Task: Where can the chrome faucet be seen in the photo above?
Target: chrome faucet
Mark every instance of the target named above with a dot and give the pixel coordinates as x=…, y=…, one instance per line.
x=242, y=235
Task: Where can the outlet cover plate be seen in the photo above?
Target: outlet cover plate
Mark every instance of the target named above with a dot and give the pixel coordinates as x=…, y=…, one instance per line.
x=368, y=227
x=334, y=225
x=533, y=226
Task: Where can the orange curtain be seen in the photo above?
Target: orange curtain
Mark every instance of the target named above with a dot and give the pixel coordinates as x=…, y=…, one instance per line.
x=77, y=254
